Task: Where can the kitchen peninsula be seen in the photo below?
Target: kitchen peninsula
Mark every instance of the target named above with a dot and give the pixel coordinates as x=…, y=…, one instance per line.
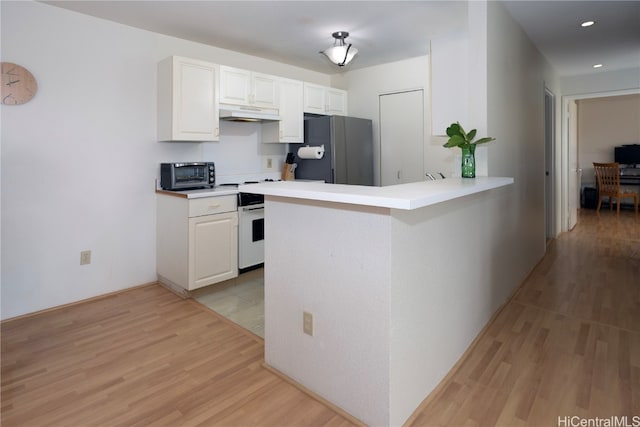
x=397, y=279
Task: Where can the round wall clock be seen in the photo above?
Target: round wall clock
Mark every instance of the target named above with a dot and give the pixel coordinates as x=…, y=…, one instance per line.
x=18, y=84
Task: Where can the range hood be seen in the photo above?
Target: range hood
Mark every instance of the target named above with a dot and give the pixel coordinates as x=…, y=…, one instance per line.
x=239, y=113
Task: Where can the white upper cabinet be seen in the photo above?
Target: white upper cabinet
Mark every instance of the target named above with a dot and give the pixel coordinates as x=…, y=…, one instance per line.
x=324, y=100
x=264, y=90
x=290, y=128
x=187, y=100
x=242, y=87
x=336, y=100
x=314, y=98
x=235, y=86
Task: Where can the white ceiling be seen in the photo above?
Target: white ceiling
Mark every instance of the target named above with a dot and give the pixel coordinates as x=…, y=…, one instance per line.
x=293, y=32
x=554, y=27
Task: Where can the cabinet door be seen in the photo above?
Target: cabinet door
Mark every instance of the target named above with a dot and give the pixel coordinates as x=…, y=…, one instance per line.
x=187, y=104
x=264, y=90
x=213, y=249
x=336, y=100
x=235, y=86
x=314, y=98
x=291, y=111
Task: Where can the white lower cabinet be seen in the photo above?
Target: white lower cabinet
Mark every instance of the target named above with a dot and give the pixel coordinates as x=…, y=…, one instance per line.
x=197, y=240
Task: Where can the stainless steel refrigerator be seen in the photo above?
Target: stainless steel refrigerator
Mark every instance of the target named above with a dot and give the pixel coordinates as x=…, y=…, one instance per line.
x=348, y=155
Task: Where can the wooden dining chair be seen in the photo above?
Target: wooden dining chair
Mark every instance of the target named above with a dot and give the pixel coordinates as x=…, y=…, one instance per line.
x=608, y=177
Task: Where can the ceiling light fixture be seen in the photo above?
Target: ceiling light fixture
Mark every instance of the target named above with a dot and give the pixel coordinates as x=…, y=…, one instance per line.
x=597, y=66
x=587, y=23
x=340, y=53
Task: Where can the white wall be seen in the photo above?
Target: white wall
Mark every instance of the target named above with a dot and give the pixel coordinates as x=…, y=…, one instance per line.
x=505, y=81
x=604, y=123
x=345, y=285
x=79, y=160
x=445, y=286
x=446, y=99
x=517, y=74
x=459, y=88
x=604, y=81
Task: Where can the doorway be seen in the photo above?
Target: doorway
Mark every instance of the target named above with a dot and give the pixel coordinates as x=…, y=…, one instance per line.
x=574, y=170
x=549, y=147
x=566, y=195
x=401, y=137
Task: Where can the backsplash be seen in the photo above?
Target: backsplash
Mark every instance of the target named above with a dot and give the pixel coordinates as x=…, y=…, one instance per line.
x=239, y=156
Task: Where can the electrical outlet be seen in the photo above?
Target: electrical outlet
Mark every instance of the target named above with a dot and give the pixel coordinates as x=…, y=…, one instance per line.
x=269, y=163
x=85, y=257
x=307, y=323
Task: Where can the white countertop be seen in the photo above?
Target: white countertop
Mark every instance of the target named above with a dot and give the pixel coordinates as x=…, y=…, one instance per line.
x=204, y=192
x=403, y=196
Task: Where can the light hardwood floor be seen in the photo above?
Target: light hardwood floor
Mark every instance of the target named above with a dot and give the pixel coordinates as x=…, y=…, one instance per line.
x=567, y=344
x=144, y=357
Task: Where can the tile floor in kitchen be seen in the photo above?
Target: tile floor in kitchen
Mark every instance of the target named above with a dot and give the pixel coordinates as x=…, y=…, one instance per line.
x=240, y=300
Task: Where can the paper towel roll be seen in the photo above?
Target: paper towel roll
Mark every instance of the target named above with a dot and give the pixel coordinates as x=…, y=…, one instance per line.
x=311, y=152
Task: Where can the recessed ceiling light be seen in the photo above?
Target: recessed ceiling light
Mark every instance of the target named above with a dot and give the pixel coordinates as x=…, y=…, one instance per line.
x=587, y=23
x=597, y=66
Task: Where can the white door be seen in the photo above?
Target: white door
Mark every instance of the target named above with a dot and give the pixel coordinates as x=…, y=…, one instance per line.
x=549, y=147
x=574, y=170
x=401, y=137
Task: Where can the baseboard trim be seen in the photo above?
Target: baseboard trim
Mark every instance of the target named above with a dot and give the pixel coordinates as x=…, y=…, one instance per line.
x=71, y=304
x=313, y=395
x=173, y=287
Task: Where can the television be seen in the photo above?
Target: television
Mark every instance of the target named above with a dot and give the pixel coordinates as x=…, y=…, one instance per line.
x=627, y=154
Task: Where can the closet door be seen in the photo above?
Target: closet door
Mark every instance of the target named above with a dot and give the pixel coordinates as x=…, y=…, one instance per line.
x=401, y=137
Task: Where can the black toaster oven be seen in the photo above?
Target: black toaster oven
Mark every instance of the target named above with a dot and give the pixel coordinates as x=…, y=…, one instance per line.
x=187, y=176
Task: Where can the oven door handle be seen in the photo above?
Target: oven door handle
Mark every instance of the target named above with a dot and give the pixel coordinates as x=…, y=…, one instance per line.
x=248, y=209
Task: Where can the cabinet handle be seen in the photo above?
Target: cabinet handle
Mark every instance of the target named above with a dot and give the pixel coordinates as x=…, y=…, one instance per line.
x=214, y=206
x=217, y=132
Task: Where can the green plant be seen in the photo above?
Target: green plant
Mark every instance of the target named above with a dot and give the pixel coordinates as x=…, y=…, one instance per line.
x=459, y=138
